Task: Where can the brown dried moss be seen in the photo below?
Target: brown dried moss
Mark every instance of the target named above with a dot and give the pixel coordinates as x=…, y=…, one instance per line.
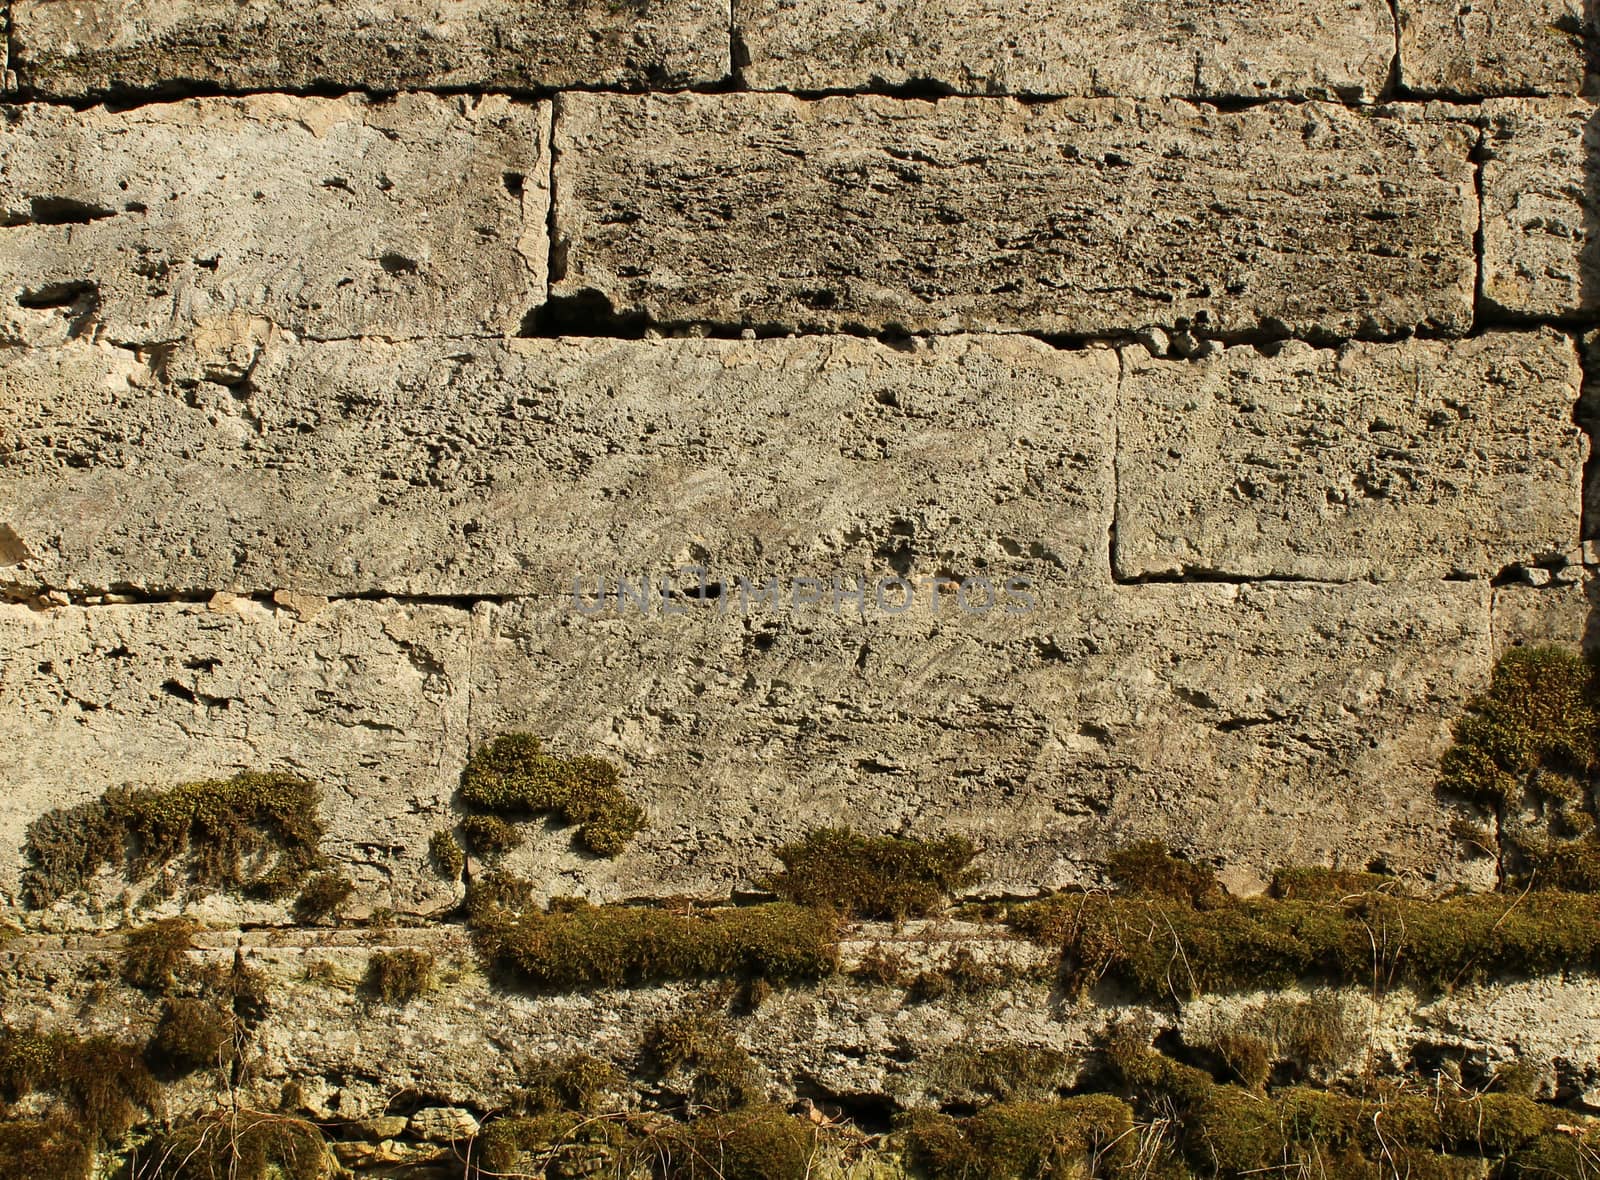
x=889, y=877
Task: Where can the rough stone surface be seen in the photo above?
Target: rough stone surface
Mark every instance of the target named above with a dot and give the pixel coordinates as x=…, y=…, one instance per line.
x=1539, y=206
x=1480, y=48
x=94, y=46
x=1262, y=726
x=1418, y=460
x=1118, y=48
x=1079, y=216
x=488, y=468
x=367, y=698
x=328, y=217
x=1565, y=614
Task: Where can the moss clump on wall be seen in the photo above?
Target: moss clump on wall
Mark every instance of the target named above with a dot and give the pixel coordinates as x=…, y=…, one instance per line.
x=578, y=1082
x=759, y=1142
x=156, y=956
x=513, y=776
x=889, y=877
x=398, y=977
x=488, y=837
x=446, y=855
x=222, y=830
x=697, y=1056
x=192, y=1035
x=236, y=1145
x=101, y=1084
x=322, y=898
x=1528, y=750
x=1058, y=1140
x=1150, y=868
x=611, y=946
x=51, y=1149
x=1166, y=949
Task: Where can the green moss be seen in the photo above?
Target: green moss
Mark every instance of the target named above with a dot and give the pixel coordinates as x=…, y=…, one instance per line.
x=578, y=1083
x=1313, y=1037
x=610, y=946
x=323, y=897
x=1556, y=1155
x=398, y=977
x=446, y=855
x=1529, y=751
x=1002, y=1072
x=1165, y=950
x=102, y=1083
x=155, y=957
x=713, y=1071
x=1022, y=1140
x=1150, y=867
x=489, y=837
x=253, y=834
x=513, y=776
x=52, y=1149
x=755, y=1143
x=559, y=1144
x=889, y=877
x=964, y=975
x=1319, y=884
x=236, y=1145
x=192, y=1035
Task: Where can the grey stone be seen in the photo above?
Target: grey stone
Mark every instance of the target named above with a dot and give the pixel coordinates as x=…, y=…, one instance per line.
x=1084, y=216
x=94, y=46
x=1539, y=205
x=368, y=699
x=1482, y=48
x=494, y=468
x=339, y=217
x=1374, y=461
x=1116, y=48
x=1259, y=726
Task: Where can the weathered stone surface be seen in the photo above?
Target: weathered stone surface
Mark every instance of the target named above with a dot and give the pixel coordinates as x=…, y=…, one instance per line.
x=1078, y=216
x=1566, y=614
x=1118, y=48
x=1262, y=726
x=1479, y=48
x=95, y=46
x=491, y=468
x=1417, y=460
x=1539, y=206
x=368, y=699
x=328, y=217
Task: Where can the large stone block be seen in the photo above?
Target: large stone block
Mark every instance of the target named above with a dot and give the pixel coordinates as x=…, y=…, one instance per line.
x=1539, y=206
x=98, y=46
x=413, y=216
x=1079, y=216
x=366, y=698
x=1480, y=48
x=1259, y=725
x=1116, y=48
x=494, y=468
x=1418, y=460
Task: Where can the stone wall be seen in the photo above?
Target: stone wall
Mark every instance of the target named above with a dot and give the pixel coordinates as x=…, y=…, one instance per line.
x=340, y=341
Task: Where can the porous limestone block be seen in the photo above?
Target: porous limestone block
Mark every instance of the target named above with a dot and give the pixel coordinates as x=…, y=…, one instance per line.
x=1116, y=48
x=1423, y=460
x=1081, y=216
x=479, y=468
x=1482, y=48
x=87, y=47
x=1258, y=725
x=368, y=699
x=1562, y=614
x=329, y=217
x=1539, y=206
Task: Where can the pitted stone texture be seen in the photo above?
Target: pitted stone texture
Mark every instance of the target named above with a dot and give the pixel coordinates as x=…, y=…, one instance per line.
x=367, y=698
x=414, y=216
x=1080, y=216
x=1263, y=726
x=1539, y=206
x=491, y=468
x=1381, y=461
x=1482, y=48
x=97, y=46
x=1116, y=48
x=1564, y=614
